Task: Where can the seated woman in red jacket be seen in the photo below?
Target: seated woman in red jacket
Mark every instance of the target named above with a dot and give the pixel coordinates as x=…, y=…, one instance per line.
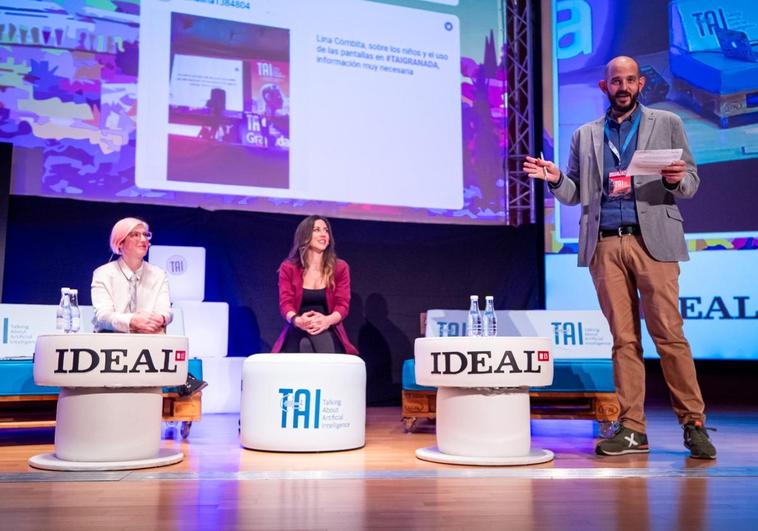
x=314, y=293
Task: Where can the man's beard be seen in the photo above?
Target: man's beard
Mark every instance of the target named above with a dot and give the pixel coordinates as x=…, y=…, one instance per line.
x=622, y=109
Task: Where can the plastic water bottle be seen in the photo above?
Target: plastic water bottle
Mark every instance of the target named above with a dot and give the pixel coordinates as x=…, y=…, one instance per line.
x=76, y=314
x=63, y=313
x=490, y=318
x=474, y=325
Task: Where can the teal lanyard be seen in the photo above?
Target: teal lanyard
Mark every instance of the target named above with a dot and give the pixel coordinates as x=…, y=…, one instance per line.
x=627, y=141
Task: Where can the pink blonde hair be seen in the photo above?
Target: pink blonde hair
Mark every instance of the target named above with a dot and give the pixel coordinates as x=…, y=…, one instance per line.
x=121, y=230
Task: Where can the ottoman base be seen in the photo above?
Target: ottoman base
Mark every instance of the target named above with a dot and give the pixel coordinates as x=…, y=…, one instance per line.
x=166, y=456
x=535, y=456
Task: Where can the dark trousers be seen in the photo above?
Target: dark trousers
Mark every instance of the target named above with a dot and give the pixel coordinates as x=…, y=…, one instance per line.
x=299, y=341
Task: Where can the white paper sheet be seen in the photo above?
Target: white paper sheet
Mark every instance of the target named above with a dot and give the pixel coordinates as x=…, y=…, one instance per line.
x=652, y=161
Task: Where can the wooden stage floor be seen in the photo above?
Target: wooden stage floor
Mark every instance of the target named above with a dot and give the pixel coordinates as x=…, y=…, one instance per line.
x=222, y=486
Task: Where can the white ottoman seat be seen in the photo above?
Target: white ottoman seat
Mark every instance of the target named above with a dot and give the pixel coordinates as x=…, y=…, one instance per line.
x=303, y=402
x=111, y=401
x=483, y=397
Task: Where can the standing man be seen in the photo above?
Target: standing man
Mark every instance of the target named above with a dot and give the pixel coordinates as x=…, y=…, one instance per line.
x=631, y=238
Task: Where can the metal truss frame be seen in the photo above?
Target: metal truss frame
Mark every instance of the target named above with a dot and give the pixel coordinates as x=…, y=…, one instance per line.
x=520, y=196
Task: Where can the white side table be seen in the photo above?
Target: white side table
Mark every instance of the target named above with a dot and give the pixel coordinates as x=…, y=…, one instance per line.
x=111, y=399
x=483, y=397
x=303, y=402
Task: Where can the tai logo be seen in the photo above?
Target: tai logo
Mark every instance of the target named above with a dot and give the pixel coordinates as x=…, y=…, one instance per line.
x=269, y=70
x=181, y=355
x=451, y=329
x=265, y=69
x=709, y=20
x=176, y=265
x=305, y=406
x=543, y=355
x=568, y=333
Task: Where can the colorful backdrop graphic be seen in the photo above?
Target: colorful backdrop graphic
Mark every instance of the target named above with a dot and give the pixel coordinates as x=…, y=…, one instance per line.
x=69, y=73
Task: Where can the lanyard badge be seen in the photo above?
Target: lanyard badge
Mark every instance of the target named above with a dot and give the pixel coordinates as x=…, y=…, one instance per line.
x=619, y=182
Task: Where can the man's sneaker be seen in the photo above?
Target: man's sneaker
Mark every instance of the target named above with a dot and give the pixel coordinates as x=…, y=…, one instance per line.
x=697, y=440
x=191, y=386
x=624, y=441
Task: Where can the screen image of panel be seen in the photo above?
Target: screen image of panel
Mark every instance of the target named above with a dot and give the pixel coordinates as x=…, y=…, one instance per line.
x=696, y=64
x=229, y=101
x=688, y=73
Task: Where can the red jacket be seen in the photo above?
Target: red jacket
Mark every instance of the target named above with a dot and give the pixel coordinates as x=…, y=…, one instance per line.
x=337, y=299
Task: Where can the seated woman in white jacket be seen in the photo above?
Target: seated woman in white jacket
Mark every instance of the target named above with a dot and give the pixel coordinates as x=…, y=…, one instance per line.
x=131, y=295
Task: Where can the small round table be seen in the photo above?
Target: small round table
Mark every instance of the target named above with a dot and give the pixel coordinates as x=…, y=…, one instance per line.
x=483, y=397
x=303, y=402
x=111, y=399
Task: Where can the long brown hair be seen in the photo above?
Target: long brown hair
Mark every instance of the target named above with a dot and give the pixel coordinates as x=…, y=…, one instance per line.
x=298, y=255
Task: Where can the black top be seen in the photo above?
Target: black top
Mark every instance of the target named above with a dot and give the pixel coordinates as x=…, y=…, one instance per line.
x=314, y=300
x=298, y=340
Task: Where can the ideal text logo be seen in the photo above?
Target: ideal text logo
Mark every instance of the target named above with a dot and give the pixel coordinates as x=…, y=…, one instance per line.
x=722, y=308
x=298, y=410
x=484, y=362
x=114, y=360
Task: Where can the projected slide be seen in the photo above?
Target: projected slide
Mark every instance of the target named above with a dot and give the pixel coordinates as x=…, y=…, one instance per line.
x=353, y=102
x=385, y=109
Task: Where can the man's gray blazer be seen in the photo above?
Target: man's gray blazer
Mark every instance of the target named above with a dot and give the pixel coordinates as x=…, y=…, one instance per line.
x=659, y=217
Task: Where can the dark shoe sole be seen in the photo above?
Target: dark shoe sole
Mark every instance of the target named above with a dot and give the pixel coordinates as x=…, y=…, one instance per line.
x=184, y=392
x=706, y=457
x=606, y=453
x=198, y=389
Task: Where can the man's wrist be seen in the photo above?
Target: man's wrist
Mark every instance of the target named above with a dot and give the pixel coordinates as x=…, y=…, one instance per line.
x=669, y=185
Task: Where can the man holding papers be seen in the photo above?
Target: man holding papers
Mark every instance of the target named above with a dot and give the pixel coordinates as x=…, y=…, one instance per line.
x=632, y=239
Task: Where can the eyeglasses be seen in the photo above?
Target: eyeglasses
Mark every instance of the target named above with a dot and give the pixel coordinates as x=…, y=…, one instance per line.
x=136, y=235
